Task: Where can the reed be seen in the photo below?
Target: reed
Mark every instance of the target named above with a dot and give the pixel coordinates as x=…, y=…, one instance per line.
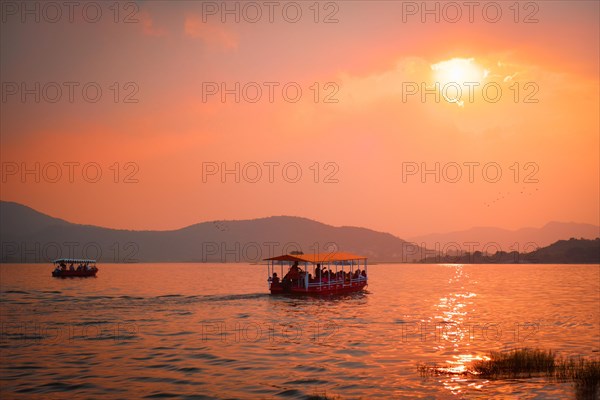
x=584, y=373
x=516, y=362
x=323, y=396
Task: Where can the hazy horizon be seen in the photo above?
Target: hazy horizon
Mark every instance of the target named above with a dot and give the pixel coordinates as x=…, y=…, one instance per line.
x=405, y=237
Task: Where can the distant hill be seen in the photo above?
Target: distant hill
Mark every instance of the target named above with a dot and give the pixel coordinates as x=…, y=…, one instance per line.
x=572, y=251
x=521, y=240
x=29, y=236
x=578, y=251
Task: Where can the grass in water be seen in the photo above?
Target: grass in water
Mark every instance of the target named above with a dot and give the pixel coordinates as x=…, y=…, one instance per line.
x=323, y=396
x=516, y=363
x=585, y=374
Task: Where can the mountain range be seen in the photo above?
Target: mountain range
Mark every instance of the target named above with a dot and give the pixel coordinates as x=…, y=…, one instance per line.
x=498, y=239
x=30, y=236
x=27, y=235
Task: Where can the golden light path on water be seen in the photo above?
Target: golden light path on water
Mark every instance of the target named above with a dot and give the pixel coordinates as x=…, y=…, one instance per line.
x=455, y=333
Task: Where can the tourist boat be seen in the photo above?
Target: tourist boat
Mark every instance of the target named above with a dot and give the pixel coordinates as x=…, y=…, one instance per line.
x=74, y=267
x=320, y=274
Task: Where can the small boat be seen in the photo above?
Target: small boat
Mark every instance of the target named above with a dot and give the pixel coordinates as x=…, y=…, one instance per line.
x=317, y=274
x=65, y=268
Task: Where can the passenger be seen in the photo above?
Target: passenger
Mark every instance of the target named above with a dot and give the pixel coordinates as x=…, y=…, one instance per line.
x=364, y=273
x=318, y=271
x=304, y=276
x=293, y=274
x=275, y=280
x=71, y=267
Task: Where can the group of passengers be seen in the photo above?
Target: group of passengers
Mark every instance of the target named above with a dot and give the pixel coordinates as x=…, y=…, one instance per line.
x=325, y=276
x=62, y=267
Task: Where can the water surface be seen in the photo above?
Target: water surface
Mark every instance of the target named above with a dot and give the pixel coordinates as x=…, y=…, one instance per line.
x=212, y=331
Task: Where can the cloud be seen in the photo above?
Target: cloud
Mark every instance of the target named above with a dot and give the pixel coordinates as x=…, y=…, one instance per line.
x=148, y=26
x=214, y=35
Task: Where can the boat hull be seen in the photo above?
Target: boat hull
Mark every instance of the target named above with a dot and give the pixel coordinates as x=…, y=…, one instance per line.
x=323, y=290
x=74, y=274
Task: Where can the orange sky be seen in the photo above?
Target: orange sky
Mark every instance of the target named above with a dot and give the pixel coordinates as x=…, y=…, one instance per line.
x=375, y=131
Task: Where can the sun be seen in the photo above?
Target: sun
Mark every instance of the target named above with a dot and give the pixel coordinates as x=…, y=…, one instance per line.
x=458, y=71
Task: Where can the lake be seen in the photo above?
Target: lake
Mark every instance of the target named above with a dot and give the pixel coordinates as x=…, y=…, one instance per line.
x=203, y=331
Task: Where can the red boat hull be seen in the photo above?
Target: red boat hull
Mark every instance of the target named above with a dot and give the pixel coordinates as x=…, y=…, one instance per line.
x=73, y=274
x=322, y=290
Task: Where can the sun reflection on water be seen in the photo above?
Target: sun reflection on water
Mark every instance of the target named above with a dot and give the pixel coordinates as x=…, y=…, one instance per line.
x=455, y=335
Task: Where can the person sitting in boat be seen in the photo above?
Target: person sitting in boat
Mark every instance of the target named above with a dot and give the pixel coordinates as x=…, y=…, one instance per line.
x=295, y=267
x=79, y=267
x=318, y=271
x=275, y=279
x=71, y=267
x=356, y=274
x=293, y=273
x=364, y=273
x=301, y=276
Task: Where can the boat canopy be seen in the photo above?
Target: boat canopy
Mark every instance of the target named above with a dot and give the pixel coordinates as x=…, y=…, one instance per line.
x=74, y=260
x=318, y=257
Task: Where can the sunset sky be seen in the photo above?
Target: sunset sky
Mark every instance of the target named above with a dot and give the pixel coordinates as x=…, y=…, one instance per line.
x=368, y=118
